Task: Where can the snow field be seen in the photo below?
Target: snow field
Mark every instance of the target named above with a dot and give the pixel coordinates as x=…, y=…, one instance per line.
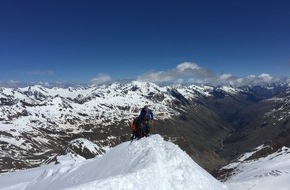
x=148, y=164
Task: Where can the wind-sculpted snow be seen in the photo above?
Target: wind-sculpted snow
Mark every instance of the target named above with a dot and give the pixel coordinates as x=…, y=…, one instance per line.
x=150, y=163
x=267, y=173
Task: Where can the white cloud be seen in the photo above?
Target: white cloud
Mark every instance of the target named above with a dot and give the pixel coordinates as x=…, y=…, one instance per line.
x=181, y=71
x=251, y=76
x=265, y=77
x=101, y=78
x=157, y=77
x=225, y=76
x=193, y=80
x=187, y=66
x=189, y=72
x=179, y=81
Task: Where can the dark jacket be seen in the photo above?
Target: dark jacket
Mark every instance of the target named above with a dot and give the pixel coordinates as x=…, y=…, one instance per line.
x=149, y=115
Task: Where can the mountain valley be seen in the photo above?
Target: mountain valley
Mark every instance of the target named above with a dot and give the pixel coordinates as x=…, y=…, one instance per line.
x=213, y=125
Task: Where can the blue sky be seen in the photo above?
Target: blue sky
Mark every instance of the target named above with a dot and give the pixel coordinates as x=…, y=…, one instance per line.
x=94, y=40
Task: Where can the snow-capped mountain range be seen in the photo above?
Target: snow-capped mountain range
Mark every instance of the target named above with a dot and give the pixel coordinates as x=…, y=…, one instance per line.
x=38, y=123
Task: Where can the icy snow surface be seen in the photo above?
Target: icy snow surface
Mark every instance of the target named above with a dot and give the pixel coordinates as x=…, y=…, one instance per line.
x=268, y=173
x=150, y=163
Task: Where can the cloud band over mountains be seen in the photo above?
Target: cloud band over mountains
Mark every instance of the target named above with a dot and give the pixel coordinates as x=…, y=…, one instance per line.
x=190, y=72
x=101, y=79
x=184, y=73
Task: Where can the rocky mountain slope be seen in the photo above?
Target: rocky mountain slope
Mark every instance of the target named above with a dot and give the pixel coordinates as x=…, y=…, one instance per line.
x=265, y=122
x=38, y=123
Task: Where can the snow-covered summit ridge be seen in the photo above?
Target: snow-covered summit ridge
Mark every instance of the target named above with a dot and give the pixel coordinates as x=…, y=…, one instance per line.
x=85, y=148
x=150, y=163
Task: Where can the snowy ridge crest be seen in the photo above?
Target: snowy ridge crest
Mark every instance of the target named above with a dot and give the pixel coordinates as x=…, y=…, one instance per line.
x=150, y=163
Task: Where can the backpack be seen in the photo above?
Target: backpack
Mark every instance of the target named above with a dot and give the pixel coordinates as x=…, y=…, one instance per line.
x=132, y=125
x=135, y=125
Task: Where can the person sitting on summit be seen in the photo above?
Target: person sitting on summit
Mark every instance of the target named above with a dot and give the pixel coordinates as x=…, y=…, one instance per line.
x=146, y=120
